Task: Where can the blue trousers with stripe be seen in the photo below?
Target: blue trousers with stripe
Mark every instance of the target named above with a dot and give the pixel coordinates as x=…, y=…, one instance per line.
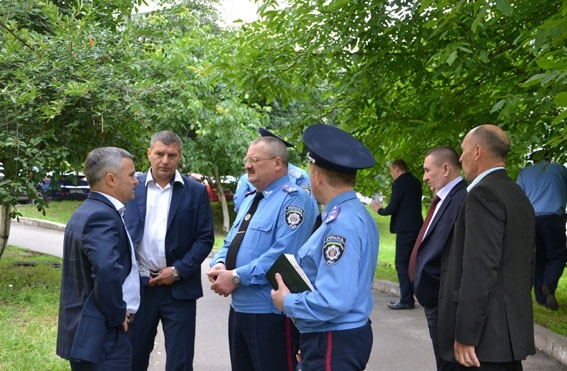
x=344, y=350
x=261, y=342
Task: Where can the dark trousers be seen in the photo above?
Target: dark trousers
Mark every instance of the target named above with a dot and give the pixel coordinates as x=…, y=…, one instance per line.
x=178, y=323
x=344, y=350
x=442, y=365
x=551, y=253
x=495, y=366
x=404, y=245
x=117, y=354
x=261, y=342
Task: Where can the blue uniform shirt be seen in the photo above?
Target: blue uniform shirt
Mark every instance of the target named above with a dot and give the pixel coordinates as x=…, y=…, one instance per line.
x=296, y=175
x=340, y=260
x=282, y=223
x=545, y=184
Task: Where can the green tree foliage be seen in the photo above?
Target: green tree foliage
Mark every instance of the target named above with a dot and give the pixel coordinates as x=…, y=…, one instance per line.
x=406, y=75
x=79, y=75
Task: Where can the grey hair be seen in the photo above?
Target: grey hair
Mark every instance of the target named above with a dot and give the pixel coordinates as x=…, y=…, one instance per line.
x=103, y=160
x=166, y=137
x=276, y=148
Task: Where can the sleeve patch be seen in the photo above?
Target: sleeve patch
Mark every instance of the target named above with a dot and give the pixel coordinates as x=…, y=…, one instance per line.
x=333, y=248
x=293, y=216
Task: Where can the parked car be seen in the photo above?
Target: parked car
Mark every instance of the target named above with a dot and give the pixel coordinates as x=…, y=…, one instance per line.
x=68, y=186
x=228, y=183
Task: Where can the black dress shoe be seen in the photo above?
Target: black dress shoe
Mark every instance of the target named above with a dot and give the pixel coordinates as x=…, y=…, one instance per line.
x=550, y=300
x=398, y=305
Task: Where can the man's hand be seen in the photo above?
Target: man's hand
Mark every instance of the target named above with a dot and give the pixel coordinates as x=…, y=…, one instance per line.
x=376, y=206
x=222, y=283
x=164, y=277
x=214, y=272
x=279, y=294
x=466, y=355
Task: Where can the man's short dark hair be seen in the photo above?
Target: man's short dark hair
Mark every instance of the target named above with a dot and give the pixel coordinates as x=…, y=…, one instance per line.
x=400, y=164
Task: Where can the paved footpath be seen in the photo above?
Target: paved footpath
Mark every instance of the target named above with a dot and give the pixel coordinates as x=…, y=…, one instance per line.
x=401, y=339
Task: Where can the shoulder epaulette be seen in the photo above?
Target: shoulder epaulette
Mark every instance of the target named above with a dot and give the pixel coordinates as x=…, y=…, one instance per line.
x=288, y=188
x=297, y=174
x=332, y=215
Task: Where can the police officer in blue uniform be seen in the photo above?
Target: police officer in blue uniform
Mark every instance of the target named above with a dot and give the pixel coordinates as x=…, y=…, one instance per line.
x=339, y=259
x=296, y=175
x=260, y=337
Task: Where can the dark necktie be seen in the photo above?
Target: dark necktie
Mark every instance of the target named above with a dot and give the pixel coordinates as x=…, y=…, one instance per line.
x=413, y=257
x=235, y=243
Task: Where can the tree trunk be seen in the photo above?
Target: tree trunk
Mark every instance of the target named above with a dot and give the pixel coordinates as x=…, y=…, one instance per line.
x=222, y=199
x=5, y=222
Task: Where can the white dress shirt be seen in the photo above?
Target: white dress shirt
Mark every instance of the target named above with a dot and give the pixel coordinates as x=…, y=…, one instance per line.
x=442, y=194
x=151, y=251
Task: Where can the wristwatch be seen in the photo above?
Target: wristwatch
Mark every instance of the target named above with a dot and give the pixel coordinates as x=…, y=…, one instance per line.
x=175, y=273
x=235, y=277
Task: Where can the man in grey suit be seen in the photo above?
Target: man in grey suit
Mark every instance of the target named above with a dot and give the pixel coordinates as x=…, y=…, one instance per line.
x=486, y=277
x=442, y=173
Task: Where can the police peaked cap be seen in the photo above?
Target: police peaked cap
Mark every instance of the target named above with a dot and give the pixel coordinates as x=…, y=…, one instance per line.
x=266, y=133
x=333, y=149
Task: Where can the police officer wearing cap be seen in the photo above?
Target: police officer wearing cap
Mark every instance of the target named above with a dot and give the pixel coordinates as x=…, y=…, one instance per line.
x=339, y=259
x=276, y=218
x=297, y=175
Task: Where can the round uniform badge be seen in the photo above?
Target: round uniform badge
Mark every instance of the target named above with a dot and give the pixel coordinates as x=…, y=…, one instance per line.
x=293, y=216
x=333, y=248
x=306, y=188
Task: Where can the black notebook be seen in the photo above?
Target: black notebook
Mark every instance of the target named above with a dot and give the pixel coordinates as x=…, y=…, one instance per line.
x=293, y=276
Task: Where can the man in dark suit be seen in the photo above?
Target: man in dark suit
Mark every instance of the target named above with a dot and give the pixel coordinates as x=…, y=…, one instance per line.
x=405, y=209
x=486, y=277
x=171, y=225
x=100, y=288
x=441, y=171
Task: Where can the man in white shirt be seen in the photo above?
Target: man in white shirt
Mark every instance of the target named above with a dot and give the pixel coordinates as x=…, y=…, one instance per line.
x=171, y=225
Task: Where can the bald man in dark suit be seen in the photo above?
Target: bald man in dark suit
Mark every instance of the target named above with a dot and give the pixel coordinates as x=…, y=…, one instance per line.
x=486, y=278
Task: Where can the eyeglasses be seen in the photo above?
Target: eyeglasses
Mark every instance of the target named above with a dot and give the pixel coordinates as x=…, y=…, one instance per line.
x=254, y=160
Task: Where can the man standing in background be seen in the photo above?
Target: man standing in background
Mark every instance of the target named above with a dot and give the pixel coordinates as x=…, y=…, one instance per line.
x=171, y=225
x=545, y=184
x=405, y=209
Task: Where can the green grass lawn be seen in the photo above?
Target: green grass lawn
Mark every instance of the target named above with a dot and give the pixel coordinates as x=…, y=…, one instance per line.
x=555, y=321
x=29, y=301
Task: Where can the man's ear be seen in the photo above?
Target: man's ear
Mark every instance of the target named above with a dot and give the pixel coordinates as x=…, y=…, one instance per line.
x=279, y=163
x=109, y=180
